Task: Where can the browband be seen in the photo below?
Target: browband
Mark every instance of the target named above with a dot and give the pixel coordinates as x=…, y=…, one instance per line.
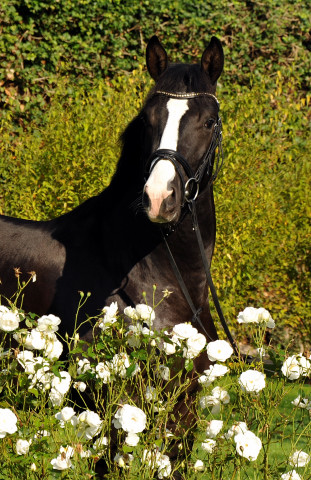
x=187, y=95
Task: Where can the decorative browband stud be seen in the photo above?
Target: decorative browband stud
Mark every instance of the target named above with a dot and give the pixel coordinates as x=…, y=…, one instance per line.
x=186, y=95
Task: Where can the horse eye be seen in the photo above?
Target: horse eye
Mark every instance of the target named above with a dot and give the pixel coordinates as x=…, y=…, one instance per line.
x=209, y=123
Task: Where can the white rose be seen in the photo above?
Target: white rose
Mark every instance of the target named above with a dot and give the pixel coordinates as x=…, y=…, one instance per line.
x=248, y=445
x=293, y=475
x=9, y=320
x=164, y=372
x=89, y=424
x=221, y=394
x=53, y=349
x=146, y=313
x=212, y=373
x=84, y=366
x=132, y=419
x=8, y=422
x=296, y=366
x=252, y=381
x=169, y=348
x=131, y=313
x=256, y=315
x=62, y=462
x=65, y=415
x=194, y=345
x=210, y=401
x=22, y=446
x=132, y=439
x=164, y=466
x=26, y=359
x=299, y=459
x=151, y=394
x=81, y=386
x=216, y=370
x=62, y=383
x=110, y=316
x=219, y=350
x=100, y=443
x=103, y=371
x=35, y=340
x=48, y=323
x=238, y=427
x=213, y=428
x=208, y=445
x=199, y=466
x=134, y=331
x=249, y=315
x=119, y=364
x=56, y=397
x=265, y=317
x=123, y=460
x=302, y=402
x=184, y=330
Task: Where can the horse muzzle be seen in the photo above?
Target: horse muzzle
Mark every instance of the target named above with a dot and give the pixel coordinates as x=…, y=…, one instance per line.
x=161, y=204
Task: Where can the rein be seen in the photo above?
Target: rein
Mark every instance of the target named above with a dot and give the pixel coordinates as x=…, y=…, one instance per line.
x=190, y=192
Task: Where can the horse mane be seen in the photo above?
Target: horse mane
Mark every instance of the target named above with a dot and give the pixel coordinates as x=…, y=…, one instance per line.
x=129, y=174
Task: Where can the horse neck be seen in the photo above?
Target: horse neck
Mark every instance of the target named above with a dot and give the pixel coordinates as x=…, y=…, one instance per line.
x=184, y=240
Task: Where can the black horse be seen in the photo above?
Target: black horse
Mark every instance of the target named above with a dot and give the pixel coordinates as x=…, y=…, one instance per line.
x=112, y=245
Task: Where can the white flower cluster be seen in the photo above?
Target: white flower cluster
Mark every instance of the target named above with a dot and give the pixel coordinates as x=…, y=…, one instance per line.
x=292, y=475
x=298, y=459
x=87, y=424
x=42, y=337
x=110, y=316
x=256, y=315
x=213, y=372
x=38, y=370
x=218, y=397
x=296, y=366
x=187, y=338
x=247, y=444
x=9, y=320
x=155, y=459
x=141, y=312
x=117, y=367
x=302, y=403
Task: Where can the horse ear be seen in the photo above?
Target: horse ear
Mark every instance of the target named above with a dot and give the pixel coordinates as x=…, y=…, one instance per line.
x=156, y=58
x=212, y=62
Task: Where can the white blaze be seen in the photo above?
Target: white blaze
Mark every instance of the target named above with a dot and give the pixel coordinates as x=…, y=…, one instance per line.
x=164, y=170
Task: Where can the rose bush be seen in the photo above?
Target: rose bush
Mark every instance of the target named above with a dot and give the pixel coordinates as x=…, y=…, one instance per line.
x=134, y=377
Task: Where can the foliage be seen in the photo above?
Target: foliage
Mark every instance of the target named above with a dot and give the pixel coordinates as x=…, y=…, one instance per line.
x=85, y=40
x=46, y=434
x=263, y=212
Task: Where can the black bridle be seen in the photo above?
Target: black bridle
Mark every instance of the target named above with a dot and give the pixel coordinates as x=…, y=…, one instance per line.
x=191, y=188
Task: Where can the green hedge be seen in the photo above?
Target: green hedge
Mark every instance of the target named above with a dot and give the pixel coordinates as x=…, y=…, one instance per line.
x=262, y=255
x=85, y=40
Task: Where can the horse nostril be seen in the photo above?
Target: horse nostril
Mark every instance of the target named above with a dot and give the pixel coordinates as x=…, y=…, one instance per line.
x=145, y=200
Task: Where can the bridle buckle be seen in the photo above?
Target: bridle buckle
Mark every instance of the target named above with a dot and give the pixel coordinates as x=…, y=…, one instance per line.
x=189, y=190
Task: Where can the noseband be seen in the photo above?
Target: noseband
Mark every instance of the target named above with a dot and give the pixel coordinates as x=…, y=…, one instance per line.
x=191, y=186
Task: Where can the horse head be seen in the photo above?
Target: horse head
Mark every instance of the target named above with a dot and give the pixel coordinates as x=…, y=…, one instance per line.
x=181, y=123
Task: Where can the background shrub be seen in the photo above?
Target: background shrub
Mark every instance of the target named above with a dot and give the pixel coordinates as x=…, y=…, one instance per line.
x=86, y=40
